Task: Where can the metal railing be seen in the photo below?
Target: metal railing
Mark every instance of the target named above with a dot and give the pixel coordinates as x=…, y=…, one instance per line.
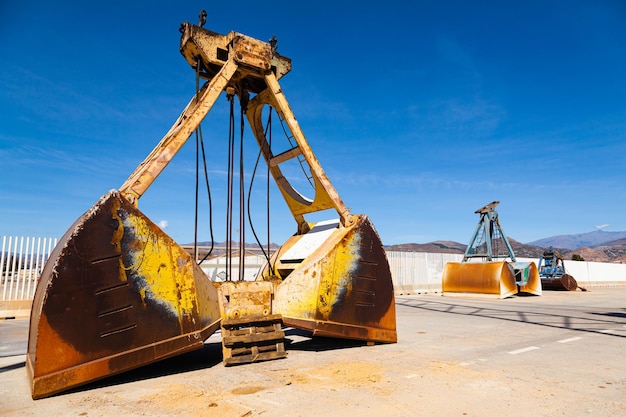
x=21, y=261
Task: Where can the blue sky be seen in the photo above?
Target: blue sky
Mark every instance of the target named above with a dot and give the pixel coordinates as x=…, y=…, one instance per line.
x=419, y=112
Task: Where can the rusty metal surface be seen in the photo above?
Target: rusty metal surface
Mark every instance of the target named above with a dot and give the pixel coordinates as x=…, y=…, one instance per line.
x=253, y=338
x=565, y=282
x=240, y=299
x=116, y=293
x=489, y=278
x=215, y=49
x=342, y=289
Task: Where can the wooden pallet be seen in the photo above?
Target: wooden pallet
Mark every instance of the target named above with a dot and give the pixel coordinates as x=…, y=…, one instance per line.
x=252, y=339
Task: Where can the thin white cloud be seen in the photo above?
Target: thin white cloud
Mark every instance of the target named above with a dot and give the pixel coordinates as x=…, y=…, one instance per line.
x=56, y=99
x=49, y=158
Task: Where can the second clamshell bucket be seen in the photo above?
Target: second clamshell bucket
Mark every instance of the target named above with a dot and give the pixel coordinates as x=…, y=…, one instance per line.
x=488, y=278
x=500, y=279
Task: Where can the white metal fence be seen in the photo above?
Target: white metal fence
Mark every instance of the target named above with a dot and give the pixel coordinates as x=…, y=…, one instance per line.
x=418, y=272
x=21, y=261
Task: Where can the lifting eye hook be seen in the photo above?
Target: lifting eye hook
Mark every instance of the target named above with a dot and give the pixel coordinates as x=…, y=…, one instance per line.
x=202, y=17
x=273, y=43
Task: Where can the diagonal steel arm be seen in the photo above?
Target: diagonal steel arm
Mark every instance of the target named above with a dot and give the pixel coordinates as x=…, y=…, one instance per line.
x=173, y=141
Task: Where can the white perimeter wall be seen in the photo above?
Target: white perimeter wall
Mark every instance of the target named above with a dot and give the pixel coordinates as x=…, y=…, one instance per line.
x=420, y=272
x=593, y=273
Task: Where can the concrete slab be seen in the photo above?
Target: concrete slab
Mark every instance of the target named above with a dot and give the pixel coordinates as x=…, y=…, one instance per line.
x=554, y=355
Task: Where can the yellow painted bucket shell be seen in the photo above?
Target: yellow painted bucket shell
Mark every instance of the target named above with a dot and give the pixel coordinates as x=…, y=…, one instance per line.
x=489, y=278
x=343, y=288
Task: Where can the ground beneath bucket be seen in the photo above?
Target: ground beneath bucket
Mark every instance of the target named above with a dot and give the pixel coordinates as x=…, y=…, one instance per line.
x=455, y=356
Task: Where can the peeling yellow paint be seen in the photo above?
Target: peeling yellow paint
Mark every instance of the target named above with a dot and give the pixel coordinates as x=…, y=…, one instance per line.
x=337, y=272
x=116, y=239
x=168, y=278
x=317, y=286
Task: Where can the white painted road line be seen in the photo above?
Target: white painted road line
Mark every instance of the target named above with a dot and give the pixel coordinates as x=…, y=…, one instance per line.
x=412, y=376
x=607, y=331
x=571, y=339
x=528, y=349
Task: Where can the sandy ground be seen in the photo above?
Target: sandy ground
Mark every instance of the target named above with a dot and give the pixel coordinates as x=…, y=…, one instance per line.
x=561, y=354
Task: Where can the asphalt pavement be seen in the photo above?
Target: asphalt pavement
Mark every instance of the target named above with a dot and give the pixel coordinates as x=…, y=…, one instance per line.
x=558, y=354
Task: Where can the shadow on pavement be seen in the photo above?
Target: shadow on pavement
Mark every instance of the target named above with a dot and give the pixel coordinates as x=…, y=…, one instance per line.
x=205, y=358
x=579, y=323
x=12, y=367
x=317, y=343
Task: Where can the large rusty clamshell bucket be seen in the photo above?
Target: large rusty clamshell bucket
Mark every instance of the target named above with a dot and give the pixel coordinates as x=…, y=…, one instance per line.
x=116, y=293
x=336, y=282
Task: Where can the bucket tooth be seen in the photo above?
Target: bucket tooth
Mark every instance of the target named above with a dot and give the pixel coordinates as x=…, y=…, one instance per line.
x=336, y=282
x=117, y=293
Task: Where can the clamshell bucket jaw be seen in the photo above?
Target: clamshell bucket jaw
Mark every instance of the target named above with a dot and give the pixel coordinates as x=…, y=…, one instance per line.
x=335, y=281
x=116, y=294
x=489, y=278
x=481, y=272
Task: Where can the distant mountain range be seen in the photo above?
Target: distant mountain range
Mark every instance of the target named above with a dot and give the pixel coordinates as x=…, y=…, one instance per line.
x=219, y=248
x=595, y=246
x=589, y=239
